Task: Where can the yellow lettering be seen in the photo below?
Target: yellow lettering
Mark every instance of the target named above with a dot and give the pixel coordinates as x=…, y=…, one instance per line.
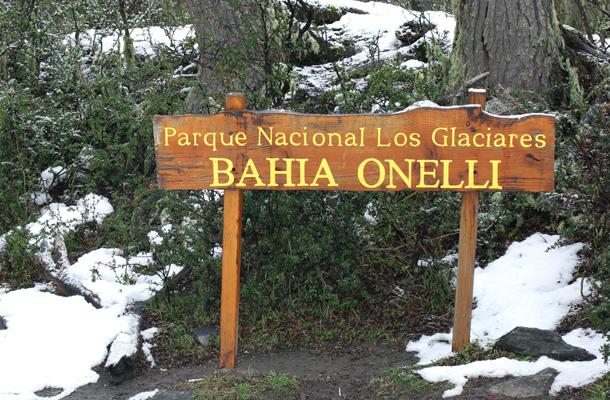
x=184, y=139
x=446, y=184
x=464, y=140
x=415, y=142
x=195, y=136
x=324, y=172
x=526, y=141
x=494, y=175
x=292, y=141
x=471, y=172
x=216, y=171
x=241, y=139
x=379, y=139
x=511, y=137
x=500, y=140
x=222, y=140
x=474, y=140
x=250, y=171
x=437, y=143
x=280, y=139
x=351, y=140
x=540, y=141
x=395, y=168
x=361, y=173
x=168, y=135
x=453, y=136
x=302, y=162
x=315, y=142
x=273, y=172
x=423, y=174
x=400, y=139
x=330, y=139
x=262, y=133
x=207, y=142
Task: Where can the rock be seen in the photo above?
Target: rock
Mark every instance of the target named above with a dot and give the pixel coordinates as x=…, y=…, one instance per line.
x=2, y=324
x=539, y=342
x=524, y=387
x=49, y=392
x=124, y=351
x=238, y=372
x=204, y=334
x=410, y=32
x=121, y=371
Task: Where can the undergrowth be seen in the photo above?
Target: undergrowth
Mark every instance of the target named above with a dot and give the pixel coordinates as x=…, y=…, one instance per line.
x=317, y=266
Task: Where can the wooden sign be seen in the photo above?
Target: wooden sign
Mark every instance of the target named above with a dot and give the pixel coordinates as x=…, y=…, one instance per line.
x=431, y=149
x=440, y=148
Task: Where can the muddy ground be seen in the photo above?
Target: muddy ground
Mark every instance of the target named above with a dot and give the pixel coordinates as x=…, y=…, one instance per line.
x=324, y=373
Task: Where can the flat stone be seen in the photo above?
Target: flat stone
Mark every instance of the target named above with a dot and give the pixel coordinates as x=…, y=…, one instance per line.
x=238, y=372
x=524, y=387
x=204, y=334
x=536, y=342
x=49, y=392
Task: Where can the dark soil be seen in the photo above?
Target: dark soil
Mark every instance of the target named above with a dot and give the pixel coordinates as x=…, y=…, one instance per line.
x=329, y=372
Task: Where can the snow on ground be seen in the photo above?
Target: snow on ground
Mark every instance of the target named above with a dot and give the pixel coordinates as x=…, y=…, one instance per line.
x=144, y=395
x=372, y=29
x=532, y=285
x=144, y=39
x=54, y=341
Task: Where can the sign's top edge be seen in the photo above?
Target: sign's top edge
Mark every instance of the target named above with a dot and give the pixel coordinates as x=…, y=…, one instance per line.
x=426, y=106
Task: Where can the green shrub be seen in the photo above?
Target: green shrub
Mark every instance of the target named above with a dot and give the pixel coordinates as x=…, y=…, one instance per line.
x=18, y=265
x=583, y=177
x=302, y=248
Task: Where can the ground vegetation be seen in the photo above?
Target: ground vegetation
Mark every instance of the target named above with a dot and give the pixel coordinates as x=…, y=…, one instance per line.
x=317, y=266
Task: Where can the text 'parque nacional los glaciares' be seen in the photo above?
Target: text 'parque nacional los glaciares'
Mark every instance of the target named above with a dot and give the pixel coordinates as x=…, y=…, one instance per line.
x=431, y=149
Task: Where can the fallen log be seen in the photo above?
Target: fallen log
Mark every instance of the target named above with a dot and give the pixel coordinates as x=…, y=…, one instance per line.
x=54, y=262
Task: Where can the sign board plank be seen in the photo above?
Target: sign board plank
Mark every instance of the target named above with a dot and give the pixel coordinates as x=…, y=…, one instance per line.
x=431, y=149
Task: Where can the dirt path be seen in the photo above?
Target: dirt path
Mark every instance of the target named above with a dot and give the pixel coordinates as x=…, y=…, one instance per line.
x=325, y=373
x=329, y=373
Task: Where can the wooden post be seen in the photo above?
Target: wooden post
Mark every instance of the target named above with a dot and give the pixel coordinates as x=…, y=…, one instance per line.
x=467, y=255
x=231, y=260
x=186, y=160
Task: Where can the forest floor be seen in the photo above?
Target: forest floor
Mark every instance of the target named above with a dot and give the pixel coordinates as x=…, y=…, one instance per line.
x=334, y=371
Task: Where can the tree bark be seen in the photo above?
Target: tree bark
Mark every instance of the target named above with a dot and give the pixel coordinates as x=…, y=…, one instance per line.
x=230, y=36
x=55, y=271
x=518, y=42
x=250, y=46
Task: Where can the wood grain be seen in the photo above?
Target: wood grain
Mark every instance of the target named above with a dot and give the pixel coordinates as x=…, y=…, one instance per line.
x=431, y=149
x=231, y=263
x=462, y=317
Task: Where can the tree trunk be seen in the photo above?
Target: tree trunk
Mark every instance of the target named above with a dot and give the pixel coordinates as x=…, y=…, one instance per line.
x=518, y=42
x=231, y=37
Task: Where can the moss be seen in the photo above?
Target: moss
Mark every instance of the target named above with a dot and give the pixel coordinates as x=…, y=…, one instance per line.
x=129, y=54
x=457, y=69
x=575, y=90
x=3, y=67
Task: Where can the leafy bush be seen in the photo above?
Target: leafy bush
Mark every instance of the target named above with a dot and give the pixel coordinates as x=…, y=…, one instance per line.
x=302, y=249
x=18, y=265
x=585, y=186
